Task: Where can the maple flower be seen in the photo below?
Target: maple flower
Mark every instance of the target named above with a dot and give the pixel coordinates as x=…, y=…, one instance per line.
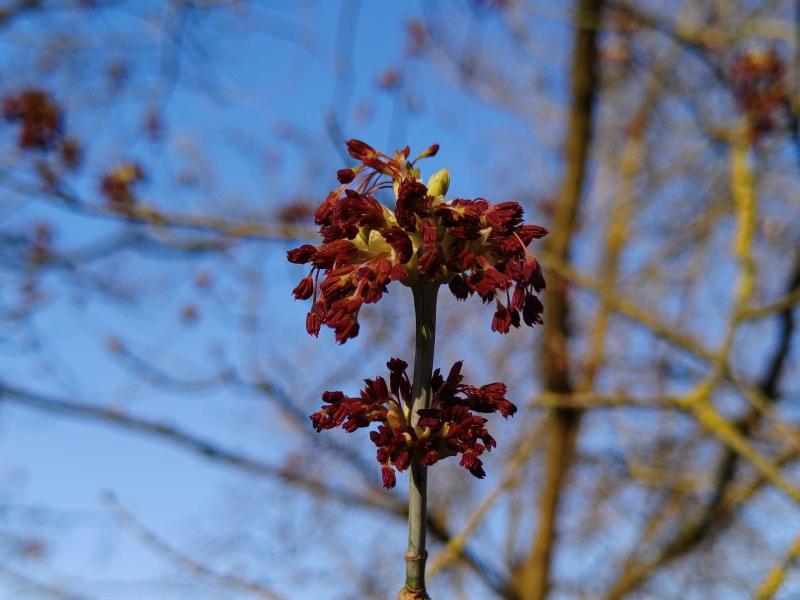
x=759, y=84
x=40, y=118
x=474, y=246
x=449, y=427
x=118, y=185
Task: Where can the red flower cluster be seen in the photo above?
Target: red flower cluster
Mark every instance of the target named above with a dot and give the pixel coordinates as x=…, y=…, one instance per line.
x=39, y=116
x=449, y=427
x=759, y=84
x=473, y=245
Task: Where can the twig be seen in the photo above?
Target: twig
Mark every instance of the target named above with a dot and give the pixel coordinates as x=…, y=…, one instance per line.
x=51, y=590
x=128, y=520
x=774, y=579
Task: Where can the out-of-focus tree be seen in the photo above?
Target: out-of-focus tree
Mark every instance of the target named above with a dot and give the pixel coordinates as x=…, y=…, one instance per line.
x=155, y=163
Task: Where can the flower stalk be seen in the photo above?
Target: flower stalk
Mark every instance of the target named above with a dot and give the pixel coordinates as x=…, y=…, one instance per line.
x=425, y=294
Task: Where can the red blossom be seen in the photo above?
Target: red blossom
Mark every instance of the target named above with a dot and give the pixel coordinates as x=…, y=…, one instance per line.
x=475, y=246
x=459, y=288
x=418, y=37
x=532, y=310
x=304, y=289
x=360, y=151
x=118, y=185
x=400, y=242
x=301, y=255
x=411, y=201
x=502, y=319
x=39, y=116
x=432, y=257
x=759, y=85
x=313, y=323
x=388, y=476
x=449, y=427
x=345, y=175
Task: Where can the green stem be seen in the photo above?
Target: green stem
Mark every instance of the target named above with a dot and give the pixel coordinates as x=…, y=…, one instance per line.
x=425, y=309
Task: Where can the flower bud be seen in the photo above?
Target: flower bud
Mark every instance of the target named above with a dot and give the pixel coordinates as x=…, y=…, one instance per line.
x=438, y=183
x=345, y=175
x=430, y=151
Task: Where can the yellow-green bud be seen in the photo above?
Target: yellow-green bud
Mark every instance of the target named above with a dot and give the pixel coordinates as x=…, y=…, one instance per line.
x=438, y=183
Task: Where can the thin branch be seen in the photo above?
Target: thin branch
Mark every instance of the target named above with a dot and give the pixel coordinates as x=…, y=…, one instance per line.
x=145, y=214
x=191, y=565
x=52, y=590
x=775, y=578
x=174, y=435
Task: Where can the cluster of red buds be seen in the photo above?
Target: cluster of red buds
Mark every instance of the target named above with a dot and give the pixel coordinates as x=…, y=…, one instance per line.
x=759, y=84
x=474, y=246
x=449, y=427
x=39, y=116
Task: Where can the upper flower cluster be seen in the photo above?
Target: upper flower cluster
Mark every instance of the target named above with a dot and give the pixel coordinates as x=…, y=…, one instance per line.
x=473, y=245
x=448, y=428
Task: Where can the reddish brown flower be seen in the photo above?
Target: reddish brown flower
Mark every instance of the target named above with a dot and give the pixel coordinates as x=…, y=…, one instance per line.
x=345, y=175
x=304, y=289
x=389, y=79
x=474, y=245
x=39, y=116
x=502, y=319
x=759, y=84
x=313, y=323
x=411, y=201
x=449, y=427
x=118, y=185
x=431, y=260
x=360, y=151
x=532, y=310
x=418, y=37
x=301, y=255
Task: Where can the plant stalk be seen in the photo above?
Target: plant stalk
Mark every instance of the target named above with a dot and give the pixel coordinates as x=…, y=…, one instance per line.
x=425, y=309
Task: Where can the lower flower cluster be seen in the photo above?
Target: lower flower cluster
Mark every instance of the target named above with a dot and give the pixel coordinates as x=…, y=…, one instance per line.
x=448, y=427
